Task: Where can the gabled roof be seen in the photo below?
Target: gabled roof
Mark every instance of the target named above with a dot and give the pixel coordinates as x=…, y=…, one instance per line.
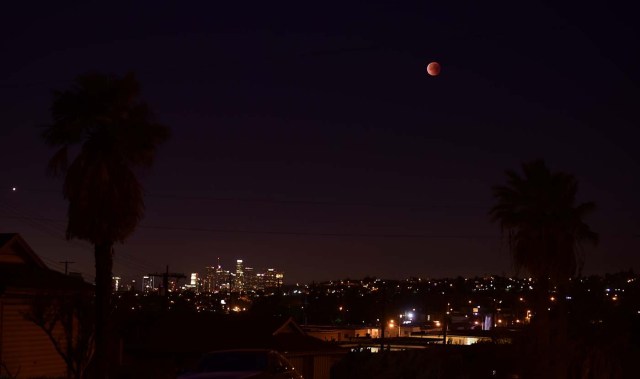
x=16, y=278
x=21, y=270
x=289, y=326
x=6, y=237
x=197, y=333
x=15, y=250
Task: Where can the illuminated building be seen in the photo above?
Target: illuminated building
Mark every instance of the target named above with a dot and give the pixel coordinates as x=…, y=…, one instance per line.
x=115, y=282
x=223, y=279
x=259, y=280
x=209, y=281
x=249, y=279
x=273, y=278
x=147, y=283
x=239, y=282
x=216, y=279
x=194, y=283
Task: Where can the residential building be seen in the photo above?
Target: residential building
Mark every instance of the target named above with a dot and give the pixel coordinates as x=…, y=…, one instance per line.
x=25, y=281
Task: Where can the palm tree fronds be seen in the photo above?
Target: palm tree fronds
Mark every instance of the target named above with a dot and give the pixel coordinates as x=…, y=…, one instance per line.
x=58, y=163
x=117, y=133
x=543, y=226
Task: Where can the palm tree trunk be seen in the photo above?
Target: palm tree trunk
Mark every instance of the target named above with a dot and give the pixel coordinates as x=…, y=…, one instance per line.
x=538, y=352
x=560, y=332
x=104, y=264
x=550, y=327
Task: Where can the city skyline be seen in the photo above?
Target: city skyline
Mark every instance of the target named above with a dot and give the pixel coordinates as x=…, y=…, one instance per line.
x=208, y=279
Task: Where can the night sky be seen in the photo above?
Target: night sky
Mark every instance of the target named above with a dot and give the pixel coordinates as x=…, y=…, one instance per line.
x=308, y=137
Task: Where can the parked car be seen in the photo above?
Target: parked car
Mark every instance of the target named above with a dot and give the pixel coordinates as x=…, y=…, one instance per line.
x=243, y=364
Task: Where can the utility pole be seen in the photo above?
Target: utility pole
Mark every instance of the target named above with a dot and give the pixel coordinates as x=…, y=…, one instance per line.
x=445, y=324
x=383, y=314
x=66, y=266
x=165, y=283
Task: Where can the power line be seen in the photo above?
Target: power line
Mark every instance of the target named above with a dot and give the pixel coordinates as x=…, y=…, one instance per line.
x=320, y=203
x=34, y=84
x=311, y=234
x=145, y=76
x=245, y=231
x=38, y=224
x=295, y=202
x=316, y=234
x=131, y=263
x=53, y=231
x=165, y=283
x=412, y=206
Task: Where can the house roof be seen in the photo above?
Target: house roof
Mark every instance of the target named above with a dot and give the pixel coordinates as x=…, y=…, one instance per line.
x=6, y=237
x=18, y=278
x=14, y=246
x=22, y=270
x=198, y=333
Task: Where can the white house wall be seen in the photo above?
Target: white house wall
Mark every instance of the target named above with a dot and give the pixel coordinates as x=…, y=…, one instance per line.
x=25, y=349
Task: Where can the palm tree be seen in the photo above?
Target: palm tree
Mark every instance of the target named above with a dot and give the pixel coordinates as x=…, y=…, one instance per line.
x=545, y=230
x=544, y=227
x=116, y=133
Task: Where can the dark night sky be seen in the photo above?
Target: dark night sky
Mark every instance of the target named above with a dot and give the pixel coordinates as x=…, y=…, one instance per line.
x=318, y=122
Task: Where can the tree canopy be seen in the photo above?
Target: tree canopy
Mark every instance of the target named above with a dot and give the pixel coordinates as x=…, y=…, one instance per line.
x=542, y=221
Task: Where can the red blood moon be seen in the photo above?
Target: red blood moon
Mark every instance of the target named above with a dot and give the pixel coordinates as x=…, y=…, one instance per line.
x=433, y=68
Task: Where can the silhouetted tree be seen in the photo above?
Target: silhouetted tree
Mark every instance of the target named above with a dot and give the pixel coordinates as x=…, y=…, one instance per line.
x=545, y=230
x=116, y=133
x=544, y=226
